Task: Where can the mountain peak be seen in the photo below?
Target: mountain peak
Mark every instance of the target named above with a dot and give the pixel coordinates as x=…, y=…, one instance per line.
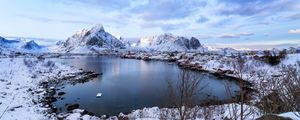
x=98, y=28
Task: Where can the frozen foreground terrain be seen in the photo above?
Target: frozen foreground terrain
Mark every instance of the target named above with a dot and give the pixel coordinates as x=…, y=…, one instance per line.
x=20, y=92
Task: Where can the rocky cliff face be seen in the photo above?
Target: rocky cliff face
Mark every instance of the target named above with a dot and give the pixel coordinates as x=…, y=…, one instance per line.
x=194, y=42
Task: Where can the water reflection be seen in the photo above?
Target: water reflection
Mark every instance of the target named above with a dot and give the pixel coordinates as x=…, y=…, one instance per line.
x=130, y=84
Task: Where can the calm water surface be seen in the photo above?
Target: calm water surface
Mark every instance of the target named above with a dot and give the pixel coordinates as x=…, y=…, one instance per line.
x=128, y=84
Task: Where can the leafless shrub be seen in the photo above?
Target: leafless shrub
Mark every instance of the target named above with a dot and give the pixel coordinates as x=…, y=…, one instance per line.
x=290, y=87
x=243, y=72
x=281, y=93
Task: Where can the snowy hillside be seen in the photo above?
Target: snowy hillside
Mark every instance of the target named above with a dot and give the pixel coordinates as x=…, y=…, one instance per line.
x=169, y=42
x=92, y=40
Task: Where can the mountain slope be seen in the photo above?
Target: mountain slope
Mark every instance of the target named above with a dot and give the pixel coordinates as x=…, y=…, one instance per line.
x=169, y=42
x=92, y=40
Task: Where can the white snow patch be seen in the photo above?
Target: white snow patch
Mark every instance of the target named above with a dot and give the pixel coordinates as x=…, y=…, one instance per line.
x=292, y=115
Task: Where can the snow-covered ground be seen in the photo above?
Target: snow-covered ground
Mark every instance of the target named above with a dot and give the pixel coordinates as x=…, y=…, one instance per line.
x=18, y=79
x=20, y=90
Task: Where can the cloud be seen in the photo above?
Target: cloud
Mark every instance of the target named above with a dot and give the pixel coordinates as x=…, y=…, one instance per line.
x=167, y=9
x=148, y=13
x=45, y=19
x=235, y=35
x=191, y=11
x=261, y=44
x=109, y=5
x=266, y=34
x=203, y=36
x=255, y=7
x=294, y=16
x=185, y=17
x=221, y=22
x=295, y=31
x=202, y=19
x=166, y=27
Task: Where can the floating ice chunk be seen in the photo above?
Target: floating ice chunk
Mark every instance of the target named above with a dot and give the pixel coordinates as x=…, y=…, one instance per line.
x=99, y=95
x=77, y=111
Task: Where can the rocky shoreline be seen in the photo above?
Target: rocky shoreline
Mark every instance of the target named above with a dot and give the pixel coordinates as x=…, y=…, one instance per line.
x=49, y=90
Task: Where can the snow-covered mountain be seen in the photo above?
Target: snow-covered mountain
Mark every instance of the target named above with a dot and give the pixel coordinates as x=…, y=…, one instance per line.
x=31, y=45
x=95, y=39
x=20, y=45
x=169, y=42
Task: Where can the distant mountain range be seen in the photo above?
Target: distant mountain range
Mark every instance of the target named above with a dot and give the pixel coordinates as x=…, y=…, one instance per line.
x=19, y=45
x=96, y=40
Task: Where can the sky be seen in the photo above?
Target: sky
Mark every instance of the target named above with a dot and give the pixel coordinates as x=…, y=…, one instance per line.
x=220, y=23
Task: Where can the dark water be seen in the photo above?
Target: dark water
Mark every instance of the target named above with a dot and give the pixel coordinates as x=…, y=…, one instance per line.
x=128, y=84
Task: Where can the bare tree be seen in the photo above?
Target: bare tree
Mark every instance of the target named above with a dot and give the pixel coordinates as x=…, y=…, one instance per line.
x=183, y=94
x=244, y=73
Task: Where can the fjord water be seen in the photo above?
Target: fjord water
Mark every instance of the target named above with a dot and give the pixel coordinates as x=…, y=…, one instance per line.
x=128, y=84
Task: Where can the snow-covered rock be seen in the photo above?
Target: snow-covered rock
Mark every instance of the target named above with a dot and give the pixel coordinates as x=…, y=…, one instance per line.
x=92, y=40
x=169, y=42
